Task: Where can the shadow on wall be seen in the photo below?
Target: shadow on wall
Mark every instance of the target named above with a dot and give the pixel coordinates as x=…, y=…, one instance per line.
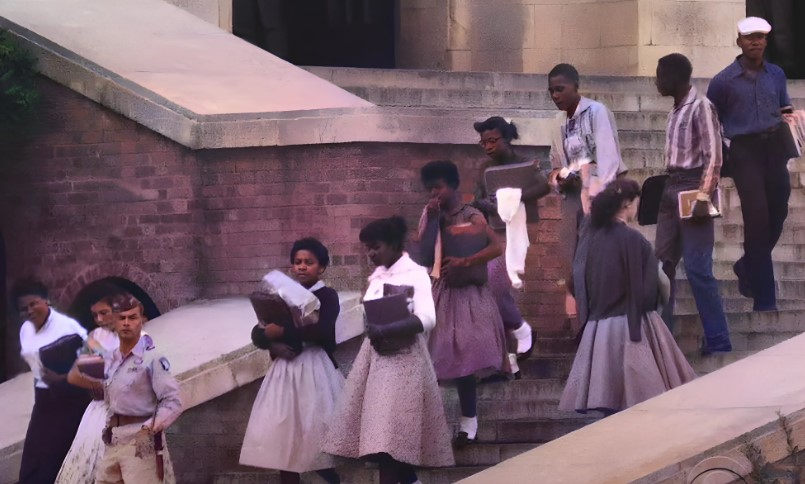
x=5, y=334
x=80, y=307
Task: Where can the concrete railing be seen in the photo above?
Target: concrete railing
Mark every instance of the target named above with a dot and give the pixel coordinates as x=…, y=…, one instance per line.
x=715, y=420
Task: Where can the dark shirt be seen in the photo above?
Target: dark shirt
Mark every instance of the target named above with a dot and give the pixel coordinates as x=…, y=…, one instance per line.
x=615, y=273
x=747, y=102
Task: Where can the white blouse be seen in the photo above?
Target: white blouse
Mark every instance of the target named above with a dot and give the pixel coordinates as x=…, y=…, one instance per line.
x=57, y=325
x=406, y=272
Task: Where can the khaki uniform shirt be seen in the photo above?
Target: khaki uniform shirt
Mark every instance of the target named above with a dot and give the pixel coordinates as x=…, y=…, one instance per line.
x=141, y=385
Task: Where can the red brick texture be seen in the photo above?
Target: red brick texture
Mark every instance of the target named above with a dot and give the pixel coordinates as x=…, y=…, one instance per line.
x=96, y=195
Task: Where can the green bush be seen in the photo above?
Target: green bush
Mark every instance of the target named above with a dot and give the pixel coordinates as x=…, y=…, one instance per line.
x=18, y=94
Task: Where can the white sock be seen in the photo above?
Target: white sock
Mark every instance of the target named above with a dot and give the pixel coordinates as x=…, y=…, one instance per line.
x=523, y=336
x=469, y=425
x=513, y=363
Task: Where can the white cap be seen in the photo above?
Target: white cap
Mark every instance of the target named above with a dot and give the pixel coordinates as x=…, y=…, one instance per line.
x=753, y=25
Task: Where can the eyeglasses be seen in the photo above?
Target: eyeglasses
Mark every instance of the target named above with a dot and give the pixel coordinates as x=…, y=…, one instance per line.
x=489, y=141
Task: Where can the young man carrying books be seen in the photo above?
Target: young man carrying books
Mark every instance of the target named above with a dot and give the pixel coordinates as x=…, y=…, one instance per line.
x=693, y=161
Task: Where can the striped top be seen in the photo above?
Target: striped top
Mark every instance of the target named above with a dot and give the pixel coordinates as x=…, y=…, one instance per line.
x=693, y=139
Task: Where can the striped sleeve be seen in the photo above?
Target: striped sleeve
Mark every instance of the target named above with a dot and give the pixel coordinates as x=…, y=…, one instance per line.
x=710, y=135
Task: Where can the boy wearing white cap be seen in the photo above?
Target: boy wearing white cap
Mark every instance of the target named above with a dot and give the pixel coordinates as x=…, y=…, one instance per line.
x=751, y=97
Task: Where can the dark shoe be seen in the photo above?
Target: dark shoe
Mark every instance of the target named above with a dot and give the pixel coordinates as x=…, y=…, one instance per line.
x=743, y=278
x=463, y=439
x=707, y=351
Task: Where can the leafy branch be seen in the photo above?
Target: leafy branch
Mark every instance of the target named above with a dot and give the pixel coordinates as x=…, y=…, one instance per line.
x=18, y=94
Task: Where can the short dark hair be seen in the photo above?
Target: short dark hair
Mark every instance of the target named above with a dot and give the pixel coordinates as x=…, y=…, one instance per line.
x=313, y=246
x=608, y=203
x=678, y=66
x=507, y=130
x=565, y=70
x=440, y=170
x=28, y=286
x=103, y=293
x=390, y=230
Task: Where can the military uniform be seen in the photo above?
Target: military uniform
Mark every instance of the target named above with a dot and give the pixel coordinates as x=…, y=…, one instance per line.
x=140, y=392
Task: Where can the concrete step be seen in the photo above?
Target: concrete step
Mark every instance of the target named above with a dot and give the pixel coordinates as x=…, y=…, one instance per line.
x=490, y=454
x=497, y=411
x=546, y=390
x=541, y=366
x=708, y=364
x=349, y=475
x=735, y=304
x=529, y=430
x=787, y=289
x=691, y=342
x=782, y=270
x=749, y=323
x=345, y=76
x=555, y=345
x=644, y=139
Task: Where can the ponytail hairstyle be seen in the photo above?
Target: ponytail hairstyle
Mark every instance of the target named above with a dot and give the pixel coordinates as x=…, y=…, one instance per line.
x=507, y=130
x=391, y=231
x=610, y=201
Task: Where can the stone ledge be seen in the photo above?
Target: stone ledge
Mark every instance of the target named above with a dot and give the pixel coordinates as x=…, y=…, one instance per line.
x=210, y=350
x=665, y=438
x=222, y=101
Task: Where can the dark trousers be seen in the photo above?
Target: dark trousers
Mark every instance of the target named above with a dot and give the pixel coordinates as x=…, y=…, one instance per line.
x=54, y=421
x=691, y=241
x=758, y=164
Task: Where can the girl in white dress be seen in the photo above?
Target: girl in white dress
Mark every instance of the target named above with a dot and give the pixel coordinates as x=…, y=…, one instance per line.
x=293, y=407
x=88, y=447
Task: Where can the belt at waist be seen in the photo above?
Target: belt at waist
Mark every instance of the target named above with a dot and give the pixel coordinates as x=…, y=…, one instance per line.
x=762, y=136
x=680, y=174
x=118, y=420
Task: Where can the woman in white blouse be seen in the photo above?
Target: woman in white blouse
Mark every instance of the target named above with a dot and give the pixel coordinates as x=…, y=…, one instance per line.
x=391, y=409
x=58, y=405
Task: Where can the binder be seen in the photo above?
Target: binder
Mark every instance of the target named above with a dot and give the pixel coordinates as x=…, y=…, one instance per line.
x=91, y=366
x=650, y=198
x=60, y=355
x=387, y=309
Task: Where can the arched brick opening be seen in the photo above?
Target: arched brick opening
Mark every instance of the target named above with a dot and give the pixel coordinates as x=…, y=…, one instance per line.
x=114, y=271
x=80, y=307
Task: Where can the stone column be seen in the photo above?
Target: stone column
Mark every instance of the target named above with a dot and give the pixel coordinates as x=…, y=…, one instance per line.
x=704, y=30
x=607, y=37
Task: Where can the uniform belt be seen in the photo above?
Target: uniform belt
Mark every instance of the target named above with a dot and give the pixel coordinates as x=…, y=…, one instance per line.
x=118, y=420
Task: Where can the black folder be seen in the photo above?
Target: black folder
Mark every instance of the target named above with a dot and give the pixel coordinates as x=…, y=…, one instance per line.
x=650, y=199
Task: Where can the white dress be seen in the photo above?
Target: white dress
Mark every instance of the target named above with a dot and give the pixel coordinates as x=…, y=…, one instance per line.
x=292, y=411
x=87, y=450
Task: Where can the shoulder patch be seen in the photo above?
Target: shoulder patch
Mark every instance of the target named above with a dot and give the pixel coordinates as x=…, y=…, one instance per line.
x=165, y=363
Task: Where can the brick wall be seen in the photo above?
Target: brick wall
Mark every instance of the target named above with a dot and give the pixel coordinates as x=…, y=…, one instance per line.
x=96, y=195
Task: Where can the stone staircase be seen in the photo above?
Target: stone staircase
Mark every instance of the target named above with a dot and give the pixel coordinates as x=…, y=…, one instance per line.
x=517, y=416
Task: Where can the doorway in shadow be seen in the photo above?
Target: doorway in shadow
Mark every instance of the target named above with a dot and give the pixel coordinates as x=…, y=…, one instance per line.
x=339, y=33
